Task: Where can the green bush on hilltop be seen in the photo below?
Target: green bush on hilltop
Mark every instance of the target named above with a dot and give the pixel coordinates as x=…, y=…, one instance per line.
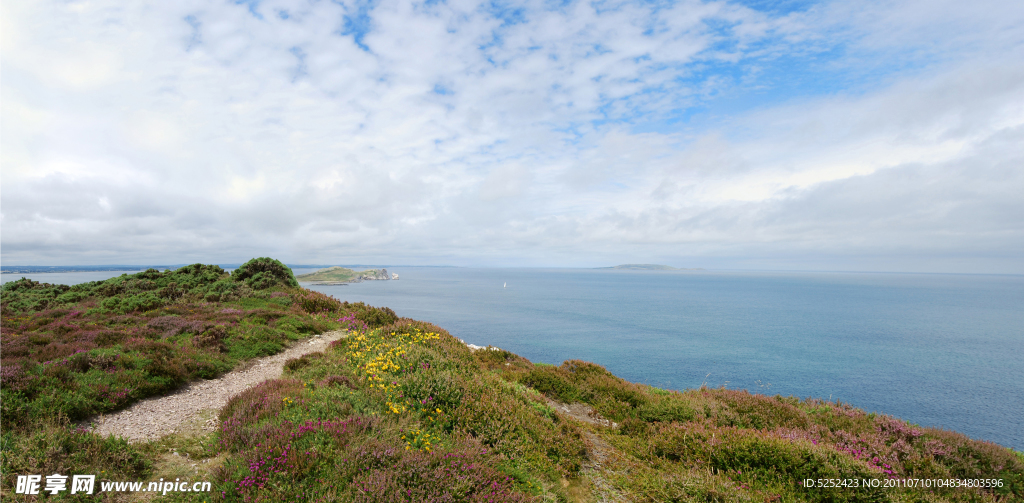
x=265, y=272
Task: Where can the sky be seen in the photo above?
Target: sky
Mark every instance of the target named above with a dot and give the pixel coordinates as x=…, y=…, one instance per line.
x=792, y=135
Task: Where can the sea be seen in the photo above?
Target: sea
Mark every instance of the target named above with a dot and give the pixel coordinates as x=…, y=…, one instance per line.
x=939, y=350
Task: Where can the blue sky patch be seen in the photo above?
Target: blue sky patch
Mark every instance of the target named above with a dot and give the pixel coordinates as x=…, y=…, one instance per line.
x=359, y=23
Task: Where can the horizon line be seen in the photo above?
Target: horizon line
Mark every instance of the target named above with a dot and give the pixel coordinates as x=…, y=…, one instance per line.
x=139, y=268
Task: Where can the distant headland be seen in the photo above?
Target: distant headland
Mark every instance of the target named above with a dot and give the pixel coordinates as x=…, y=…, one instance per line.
x=649, y=267
x=340, y=275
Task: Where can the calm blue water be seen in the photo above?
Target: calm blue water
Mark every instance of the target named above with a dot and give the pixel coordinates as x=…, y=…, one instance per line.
x=936, y=350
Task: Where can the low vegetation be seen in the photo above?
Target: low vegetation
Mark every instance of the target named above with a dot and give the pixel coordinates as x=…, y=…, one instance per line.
x=399, y=410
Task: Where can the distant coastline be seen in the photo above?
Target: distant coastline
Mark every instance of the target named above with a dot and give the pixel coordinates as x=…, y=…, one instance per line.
x=41, y=269
x=34, y=269
x=649, y=267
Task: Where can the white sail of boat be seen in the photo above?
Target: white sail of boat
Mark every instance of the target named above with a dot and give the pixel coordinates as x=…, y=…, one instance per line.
x=505, y=285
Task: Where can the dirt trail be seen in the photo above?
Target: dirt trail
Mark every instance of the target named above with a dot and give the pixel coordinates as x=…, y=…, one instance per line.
x=599, y=465
x=601, y=453
x=155, y=417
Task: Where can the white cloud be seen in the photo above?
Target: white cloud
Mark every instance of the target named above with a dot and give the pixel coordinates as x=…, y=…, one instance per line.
x=194, y=131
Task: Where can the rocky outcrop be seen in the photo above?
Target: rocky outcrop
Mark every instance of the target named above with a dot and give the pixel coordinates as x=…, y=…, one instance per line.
x=372, y=274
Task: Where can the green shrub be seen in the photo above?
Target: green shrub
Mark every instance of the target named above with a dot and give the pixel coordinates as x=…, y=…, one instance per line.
x=294, y=364
x=549, y=381
x=504, y=420
x=427, y=390
x=500, y=359
x=635, y=427
x=668, y=410
x=55, y=446
x=72, y=297
x=255, y=341
x=372, y=316
x=139, y=303
x=265, y=272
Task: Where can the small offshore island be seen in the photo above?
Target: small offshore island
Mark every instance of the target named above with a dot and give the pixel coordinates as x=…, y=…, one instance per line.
x=648, y=267
x=338, y=275
x=400, y=410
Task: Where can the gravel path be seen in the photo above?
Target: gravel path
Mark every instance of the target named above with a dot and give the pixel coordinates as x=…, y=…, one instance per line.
x=155, y=417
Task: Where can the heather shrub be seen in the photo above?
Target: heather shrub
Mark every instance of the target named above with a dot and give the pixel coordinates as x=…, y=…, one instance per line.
x=212, y=338
x=424, y=357
x=333, y=461
x=961, y=457
x=289, y=458
x=170, y=325
x=426, y=391
x=57, y=351
x=465, y=474
x=316, y=302
x=18, y=377
x=505, y=421
x=760, y=411
x=492, y=359
x=241, y=417
x=675, y=483
x=635, y=427
x=731, y=448
x=612, y=397
x=163, y=364
x=838, y=416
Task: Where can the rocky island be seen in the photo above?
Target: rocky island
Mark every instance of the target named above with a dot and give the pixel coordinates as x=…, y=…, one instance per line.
x=340, y=275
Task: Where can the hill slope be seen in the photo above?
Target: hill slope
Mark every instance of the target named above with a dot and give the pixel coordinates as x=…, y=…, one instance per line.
x=400, y=410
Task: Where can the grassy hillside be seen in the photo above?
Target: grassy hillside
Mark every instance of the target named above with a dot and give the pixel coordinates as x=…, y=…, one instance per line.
x=400, y=410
